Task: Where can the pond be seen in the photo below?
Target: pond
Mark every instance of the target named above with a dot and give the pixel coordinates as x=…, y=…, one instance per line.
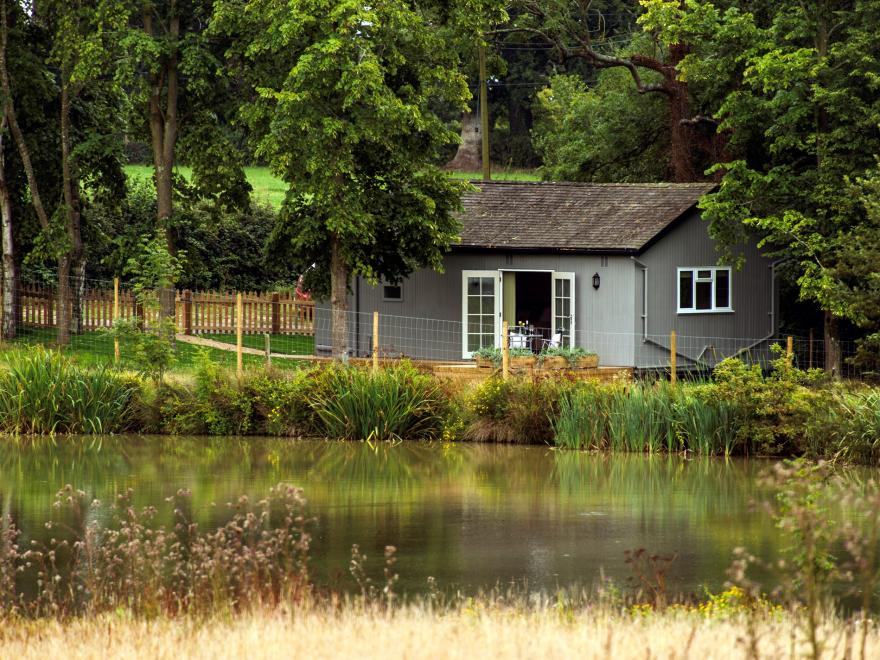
x=470, y=516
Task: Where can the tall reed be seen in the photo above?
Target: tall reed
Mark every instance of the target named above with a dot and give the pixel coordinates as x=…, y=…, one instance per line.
x=645, y=417
x=120, y=558
x=351, y=403
x=42, y=392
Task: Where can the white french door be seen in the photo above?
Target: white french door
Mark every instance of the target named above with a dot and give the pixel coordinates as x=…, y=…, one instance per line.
x=562, y=307
x=481, y=310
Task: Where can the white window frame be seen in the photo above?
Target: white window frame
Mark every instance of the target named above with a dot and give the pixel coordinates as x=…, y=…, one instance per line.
x=496, y=275
x=387, y=299
x=693, y=271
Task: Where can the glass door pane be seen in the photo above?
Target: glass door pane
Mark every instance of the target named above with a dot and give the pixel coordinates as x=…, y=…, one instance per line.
x=480, y=310
x=563, y=307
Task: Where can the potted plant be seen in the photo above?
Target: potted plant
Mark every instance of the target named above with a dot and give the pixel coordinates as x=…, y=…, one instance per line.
x=488, y=357
x=574, y=357
x=521, y=358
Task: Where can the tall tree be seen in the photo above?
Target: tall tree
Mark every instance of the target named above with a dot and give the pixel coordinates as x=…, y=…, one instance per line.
x=586, y=29
x=184, y=101
x=345, y=100
x=10, y=118
x=803, y=120
x=86, y=41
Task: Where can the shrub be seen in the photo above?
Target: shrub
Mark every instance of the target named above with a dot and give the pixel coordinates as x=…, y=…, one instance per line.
x=399, y=402
x=43, y=392
x=515, y=410
x=846, y=424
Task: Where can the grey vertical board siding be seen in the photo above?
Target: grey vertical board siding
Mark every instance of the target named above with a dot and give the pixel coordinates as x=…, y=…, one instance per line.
x=709, y=336
x=426, y=324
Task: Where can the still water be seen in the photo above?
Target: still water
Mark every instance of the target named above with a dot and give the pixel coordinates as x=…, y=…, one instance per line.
x=471, y=516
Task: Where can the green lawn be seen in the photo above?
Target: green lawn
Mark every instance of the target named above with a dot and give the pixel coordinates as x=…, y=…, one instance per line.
x=96, y=348
x=271, y=189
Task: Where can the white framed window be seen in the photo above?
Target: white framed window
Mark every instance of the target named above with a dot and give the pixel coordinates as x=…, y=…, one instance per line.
x=392, y=292
x=704, y=289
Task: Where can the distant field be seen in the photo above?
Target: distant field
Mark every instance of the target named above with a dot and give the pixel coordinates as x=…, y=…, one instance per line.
x=271, y=189
x=267, y=188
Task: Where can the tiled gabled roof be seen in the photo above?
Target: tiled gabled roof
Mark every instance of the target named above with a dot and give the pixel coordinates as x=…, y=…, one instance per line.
x=577, y=217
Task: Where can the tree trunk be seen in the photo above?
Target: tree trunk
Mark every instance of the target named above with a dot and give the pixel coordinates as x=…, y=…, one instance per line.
x=338, y=299
x=832, y=345
x=163, y=137
x=10, y=276
x=62, y=311
x=468, y=157
x=14, y=128
x=71, y=267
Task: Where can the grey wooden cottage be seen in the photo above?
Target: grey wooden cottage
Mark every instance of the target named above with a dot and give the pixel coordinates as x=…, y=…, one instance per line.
x=609, y=267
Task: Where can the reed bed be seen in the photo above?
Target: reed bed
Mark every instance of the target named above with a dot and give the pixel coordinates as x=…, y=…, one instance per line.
x=481, y=629
x=43, y=392
x=646, y=417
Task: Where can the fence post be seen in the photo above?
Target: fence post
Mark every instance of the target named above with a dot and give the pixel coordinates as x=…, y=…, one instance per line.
x=673, y=354
x=268, y=338
x=115, y=317
x=810, y=360
x=276, y=314
x=505, y=350
x=239, y=332
x=375, y=342
x=187, y=312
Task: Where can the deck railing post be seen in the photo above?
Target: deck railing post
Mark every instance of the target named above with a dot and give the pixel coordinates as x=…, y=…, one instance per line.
x=375, y=342
x=239, y=335
x=505, y=350
x=673, y=354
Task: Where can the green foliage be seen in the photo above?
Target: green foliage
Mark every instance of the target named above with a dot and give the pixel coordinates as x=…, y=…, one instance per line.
x=495, y=355
x=795, y=88
x=343, y=110
x=515, y=410
x=150, y=349
x=396, y=403
x=43, y=392
x=571, y=354
x=604, y=132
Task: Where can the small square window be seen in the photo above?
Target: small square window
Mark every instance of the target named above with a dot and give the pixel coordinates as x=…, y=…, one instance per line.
x=392, y=292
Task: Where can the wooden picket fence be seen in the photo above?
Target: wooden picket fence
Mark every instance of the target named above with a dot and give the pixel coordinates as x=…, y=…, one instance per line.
x=197, y=312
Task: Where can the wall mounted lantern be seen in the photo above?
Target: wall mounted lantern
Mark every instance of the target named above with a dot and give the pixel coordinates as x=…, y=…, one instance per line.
x=596, y=281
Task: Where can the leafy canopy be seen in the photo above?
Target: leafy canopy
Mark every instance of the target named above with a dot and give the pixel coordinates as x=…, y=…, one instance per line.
x=343, y=111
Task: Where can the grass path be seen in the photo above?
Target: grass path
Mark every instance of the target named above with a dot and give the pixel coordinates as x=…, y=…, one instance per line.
x=206, y=341
x=269, y=188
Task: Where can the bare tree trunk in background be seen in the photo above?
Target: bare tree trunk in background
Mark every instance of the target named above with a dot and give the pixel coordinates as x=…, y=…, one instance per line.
x=338, y=299
x=833, y=357
x=163, y=137
x=468, y=158
x=71, y=267
x=10, y=276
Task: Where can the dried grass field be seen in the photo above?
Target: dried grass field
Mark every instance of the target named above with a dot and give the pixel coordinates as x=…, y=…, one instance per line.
x=413, y=633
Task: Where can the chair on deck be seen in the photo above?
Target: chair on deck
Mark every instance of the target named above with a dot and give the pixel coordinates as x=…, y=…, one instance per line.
x=554, y=342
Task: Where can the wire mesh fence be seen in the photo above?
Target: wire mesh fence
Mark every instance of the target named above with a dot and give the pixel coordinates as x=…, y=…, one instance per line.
x=287, y=329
